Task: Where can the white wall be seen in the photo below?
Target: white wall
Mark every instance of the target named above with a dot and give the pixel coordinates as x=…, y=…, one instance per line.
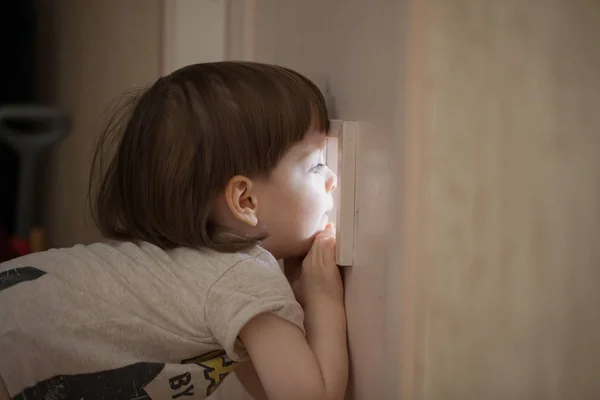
x=508, y=133
x=193, y=32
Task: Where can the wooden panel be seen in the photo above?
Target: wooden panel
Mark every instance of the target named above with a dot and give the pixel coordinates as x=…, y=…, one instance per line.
x=510, y=224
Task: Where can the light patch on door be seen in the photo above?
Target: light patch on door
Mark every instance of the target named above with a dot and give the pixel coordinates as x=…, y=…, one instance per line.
x=340, y=156
x=331, y=160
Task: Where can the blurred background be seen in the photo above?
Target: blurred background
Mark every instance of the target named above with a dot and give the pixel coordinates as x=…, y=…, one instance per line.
x=477, y=246
x=77, y=57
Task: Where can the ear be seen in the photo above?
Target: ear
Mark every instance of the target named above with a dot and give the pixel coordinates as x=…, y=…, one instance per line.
x=242, y=202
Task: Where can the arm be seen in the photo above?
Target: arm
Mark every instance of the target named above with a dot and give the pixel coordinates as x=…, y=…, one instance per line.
x=325, y=324
x=289, y=365
x=246, y=372
x=293, y=367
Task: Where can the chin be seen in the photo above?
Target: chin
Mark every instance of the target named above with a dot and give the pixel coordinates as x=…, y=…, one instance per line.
x=300, y=249
x=306, y=244
x=288, y=249
x=294, y=247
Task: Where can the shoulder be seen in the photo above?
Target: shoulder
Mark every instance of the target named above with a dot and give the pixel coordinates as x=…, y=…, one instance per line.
x=252, y=284
x=251, y=254
x=222, y=263
x=254, y=265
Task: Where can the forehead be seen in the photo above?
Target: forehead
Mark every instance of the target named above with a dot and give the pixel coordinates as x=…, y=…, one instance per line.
x=312, y=141
x=298, y=154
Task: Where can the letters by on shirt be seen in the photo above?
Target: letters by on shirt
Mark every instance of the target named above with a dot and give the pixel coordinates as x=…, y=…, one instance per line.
x=195, y=378
x=181, y=383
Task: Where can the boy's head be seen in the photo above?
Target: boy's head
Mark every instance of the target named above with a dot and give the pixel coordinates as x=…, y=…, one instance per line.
x=219, y=155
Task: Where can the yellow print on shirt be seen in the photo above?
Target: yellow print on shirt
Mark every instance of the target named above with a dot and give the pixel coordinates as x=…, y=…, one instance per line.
x=217, y=365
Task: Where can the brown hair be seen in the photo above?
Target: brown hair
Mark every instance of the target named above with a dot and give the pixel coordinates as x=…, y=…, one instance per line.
x=172, y=148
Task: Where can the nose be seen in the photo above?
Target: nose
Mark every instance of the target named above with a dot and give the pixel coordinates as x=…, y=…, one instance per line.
x=331, y=182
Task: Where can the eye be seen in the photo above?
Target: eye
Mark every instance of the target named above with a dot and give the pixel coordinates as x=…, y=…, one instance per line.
x=317, y=168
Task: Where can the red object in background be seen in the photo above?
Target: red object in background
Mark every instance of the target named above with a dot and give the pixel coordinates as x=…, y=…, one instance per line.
x=20, y=246
x=7, y=247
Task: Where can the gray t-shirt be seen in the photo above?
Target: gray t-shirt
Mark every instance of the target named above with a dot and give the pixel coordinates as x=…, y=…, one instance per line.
x=120, y=320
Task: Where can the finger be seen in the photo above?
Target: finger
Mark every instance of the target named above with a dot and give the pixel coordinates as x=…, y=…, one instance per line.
x=324, y=242
x=327, y=252
x=322, y=249
x=327, y=232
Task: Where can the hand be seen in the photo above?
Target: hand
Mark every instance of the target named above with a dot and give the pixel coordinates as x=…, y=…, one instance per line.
x=319, y=276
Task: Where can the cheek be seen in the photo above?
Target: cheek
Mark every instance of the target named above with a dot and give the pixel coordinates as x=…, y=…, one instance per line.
x=302, y=200
x=312, y=202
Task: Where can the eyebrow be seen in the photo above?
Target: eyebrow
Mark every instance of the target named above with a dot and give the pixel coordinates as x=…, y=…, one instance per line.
x=312, y=148
x=323, y=144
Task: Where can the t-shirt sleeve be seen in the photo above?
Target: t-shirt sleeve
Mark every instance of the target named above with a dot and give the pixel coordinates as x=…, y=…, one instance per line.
x=251, y=287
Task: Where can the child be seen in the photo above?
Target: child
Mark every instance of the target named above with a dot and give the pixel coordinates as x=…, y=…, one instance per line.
x=215, y=174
